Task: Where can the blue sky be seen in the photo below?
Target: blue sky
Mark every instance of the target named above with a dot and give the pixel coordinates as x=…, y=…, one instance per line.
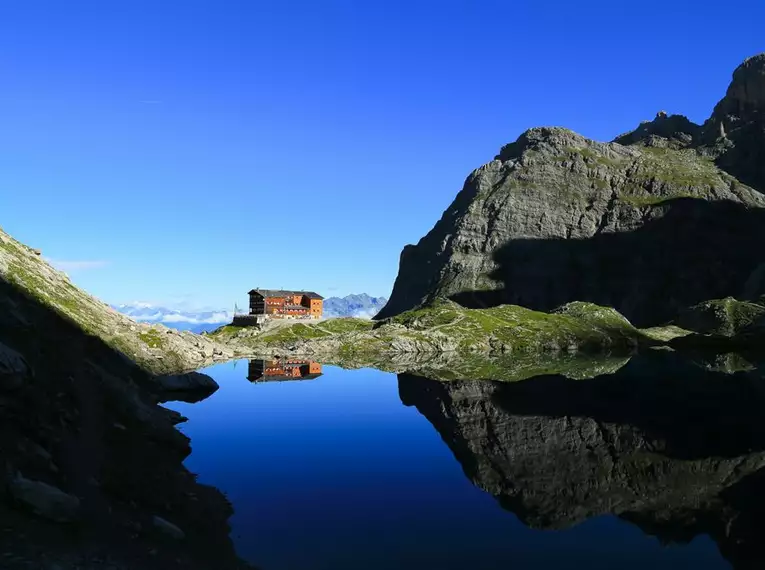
x=191, y=150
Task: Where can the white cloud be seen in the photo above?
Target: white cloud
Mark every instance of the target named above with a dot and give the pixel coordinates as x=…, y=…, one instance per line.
x=71, y=266
x=210, y=319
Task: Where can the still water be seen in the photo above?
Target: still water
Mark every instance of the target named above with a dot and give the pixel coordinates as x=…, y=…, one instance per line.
x=345, y=469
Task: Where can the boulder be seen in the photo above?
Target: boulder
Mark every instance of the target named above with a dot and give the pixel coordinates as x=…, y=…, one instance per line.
x=167, y=528
x=191, y=381
x=190, y=387
x=44, y=500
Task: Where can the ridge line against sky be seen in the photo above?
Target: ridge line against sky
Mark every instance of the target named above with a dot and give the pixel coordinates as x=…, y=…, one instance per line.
x=198, y=149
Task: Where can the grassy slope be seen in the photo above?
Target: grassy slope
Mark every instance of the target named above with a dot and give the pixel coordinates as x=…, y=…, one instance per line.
x=577, y=324
x=155, y=348
x=284, y=335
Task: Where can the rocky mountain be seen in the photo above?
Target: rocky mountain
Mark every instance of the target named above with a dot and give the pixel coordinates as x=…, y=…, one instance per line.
x=360, y=306
x=736, y=130
x=653, y=443
x=660, y=219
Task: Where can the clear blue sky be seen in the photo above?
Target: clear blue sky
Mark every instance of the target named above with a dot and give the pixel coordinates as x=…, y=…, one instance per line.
x=189, y=149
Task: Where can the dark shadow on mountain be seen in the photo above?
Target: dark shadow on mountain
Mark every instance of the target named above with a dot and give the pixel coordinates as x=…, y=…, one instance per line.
x=745, y=158
x=666, y=444
x=91, y=470
x=697, y=250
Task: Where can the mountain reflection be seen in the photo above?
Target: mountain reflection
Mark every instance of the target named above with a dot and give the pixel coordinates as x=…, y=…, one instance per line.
x=673, y=447
x=279, y=369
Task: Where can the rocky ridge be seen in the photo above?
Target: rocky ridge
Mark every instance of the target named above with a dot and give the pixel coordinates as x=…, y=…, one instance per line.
x=556, y=217
x=736, y=130
x=156, y=348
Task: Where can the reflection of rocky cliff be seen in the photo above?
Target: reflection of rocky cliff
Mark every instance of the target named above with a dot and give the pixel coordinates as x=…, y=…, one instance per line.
x=674, y=448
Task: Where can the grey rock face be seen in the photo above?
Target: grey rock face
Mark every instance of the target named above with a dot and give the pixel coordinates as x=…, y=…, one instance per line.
x=13, y=368
x=737, y=127
x=167, y=528
x=675, y=131
x=45, y=500
x=648, y=226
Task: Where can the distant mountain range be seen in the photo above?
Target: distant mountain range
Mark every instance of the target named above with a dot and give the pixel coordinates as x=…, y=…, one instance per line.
x=362, y=306
x=194, y=320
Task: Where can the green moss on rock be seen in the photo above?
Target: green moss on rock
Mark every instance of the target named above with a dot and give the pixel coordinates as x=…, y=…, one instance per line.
x=722, y=317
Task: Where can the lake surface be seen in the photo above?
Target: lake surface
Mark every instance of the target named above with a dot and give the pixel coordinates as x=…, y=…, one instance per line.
x=338, y=469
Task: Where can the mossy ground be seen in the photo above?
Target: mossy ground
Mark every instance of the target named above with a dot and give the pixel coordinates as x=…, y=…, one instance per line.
x=722, y=317
x=285, y=332
x=665, y=333
x=445, y=326
x=581, y=325
x=152, y=338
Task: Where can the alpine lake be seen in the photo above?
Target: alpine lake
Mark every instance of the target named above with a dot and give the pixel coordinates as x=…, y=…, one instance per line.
x=657, y=462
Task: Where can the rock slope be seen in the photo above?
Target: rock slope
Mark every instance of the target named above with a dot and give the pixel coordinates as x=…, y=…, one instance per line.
x=156, y=348
x=91, y=470
x=661, y=219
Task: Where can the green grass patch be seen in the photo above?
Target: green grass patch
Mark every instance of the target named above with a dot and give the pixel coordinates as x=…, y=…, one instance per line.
x=345, y=325
x=152, y=338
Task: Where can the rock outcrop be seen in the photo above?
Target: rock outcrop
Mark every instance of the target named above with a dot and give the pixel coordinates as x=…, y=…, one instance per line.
x=736, y=130
x=654, y=443
x=661, y=219
x=720, y=317
x=90, y=462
